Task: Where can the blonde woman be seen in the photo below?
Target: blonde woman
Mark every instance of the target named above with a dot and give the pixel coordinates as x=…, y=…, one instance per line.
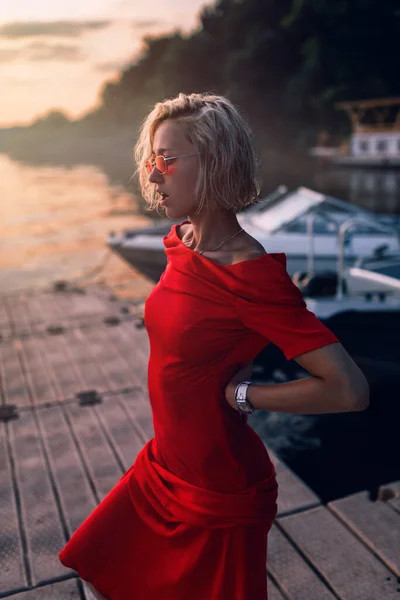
x=190, y=518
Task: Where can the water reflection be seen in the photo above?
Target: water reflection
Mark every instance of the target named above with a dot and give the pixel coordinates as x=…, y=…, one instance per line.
x=54, y=222
x=375, y=189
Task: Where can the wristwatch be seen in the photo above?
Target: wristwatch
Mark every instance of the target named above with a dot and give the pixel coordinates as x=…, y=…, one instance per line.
x=242, y=404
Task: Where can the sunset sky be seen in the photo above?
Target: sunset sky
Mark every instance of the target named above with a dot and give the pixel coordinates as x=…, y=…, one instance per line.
x=58, y=54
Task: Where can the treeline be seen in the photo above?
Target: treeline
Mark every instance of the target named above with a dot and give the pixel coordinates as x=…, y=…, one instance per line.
x=284, y=62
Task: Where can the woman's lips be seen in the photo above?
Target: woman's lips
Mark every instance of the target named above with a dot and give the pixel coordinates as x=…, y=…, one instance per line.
x=163, y=197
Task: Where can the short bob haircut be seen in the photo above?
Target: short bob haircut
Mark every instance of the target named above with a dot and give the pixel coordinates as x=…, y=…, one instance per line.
x=228, y=164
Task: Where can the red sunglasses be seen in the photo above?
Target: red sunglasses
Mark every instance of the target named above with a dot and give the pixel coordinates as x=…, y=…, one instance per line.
x=161, y=162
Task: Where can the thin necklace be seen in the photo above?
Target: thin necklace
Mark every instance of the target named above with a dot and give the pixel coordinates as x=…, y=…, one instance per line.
x=227, y=240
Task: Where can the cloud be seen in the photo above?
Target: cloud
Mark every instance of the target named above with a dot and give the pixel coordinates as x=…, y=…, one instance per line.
x=21, y=29
x=40, y=51
x=146, y=23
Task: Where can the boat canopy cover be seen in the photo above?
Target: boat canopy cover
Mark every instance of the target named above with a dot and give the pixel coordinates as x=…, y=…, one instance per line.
x=300, y=202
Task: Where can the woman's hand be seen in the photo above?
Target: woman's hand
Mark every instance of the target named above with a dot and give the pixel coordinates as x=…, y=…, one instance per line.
x=241, y=375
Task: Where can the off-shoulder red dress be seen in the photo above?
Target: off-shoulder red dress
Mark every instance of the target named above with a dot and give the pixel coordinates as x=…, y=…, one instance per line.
x=190, y=518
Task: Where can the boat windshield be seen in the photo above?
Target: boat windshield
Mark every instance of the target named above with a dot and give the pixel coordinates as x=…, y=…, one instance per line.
x=321, y=224
x=289, y=214
x=391, y=268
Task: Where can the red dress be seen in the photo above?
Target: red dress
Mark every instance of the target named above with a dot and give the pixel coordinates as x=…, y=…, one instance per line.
x=190, y=518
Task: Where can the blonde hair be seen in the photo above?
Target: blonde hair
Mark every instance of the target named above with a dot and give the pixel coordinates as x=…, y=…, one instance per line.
x=224, y=142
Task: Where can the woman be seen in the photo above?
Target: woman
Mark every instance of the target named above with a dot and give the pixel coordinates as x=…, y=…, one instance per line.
x=190, y=518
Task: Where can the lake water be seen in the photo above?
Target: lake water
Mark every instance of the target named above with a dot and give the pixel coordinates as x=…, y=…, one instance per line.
x=377, y=190
x=53, y=225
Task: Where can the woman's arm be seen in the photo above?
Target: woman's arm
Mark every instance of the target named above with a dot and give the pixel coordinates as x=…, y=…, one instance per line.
x=336, y=384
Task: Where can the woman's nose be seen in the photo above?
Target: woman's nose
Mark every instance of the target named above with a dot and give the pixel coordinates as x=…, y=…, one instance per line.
x=155, y=176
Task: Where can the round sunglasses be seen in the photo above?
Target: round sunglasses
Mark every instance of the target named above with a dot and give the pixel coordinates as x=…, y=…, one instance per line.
x=161, y=162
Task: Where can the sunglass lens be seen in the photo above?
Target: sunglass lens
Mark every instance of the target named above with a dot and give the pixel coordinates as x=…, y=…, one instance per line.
x=161, y=165
x=149, y=166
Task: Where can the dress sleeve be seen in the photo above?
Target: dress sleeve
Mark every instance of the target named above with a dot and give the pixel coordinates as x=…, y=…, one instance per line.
x=274, y=308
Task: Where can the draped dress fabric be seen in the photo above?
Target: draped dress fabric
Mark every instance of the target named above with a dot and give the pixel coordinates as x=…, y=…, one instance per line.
x=190, y=517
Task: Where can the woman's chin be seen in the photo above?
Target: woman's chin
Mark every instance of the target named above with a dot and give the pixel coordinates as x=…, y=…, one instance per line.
x=173, y=213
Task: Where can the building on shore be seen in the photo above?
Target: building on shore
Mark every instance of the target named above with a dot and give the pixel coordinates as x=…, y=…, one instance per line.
x=375, y=137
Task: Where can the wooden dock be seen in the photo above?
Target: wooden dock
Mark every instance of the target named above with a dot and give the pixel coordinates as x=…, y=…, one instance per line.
x=74, y=414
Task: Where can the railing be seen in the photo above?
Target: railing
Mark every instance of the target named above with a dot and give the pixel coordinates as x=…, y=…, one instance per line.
x=341, y=229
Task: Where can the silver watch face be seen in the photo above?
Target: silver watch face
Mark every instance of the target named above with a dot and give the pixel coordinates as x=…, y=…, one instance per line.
x=243, y=405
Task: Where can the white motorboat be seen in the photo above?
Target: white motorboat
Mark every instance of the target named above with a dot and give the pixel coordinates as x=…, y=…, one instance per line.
x=305, y=222
x=360, y=304
x=286, y=221
x=374, y=276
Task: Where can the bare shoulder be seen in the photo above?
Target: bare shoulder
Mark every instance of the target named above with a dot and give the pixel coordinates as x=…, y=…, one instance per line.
x=243, y=248
x=250, y=248
x=184, y=229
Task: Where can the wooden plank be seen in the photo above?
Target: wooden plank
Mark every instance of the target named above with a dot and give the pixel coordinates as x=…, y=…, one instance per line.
x=293, y=493
x=34, y=311
x=124, y=432
x=73, y=489
x=135, y=343
x=64, y=370
x=350, y=568
x=62, y=590
x=101, y=463
x=131, y=344
x=45, y=368
x=81, y=309
x=114, y=364
x=13, y=381
x=140, y=338
x=41, y=311
x=58, y=367
x=377, y=525
x=18, y=311
x=66, y=378
x=13, y=573
x=91, y=304
x=40, y=515
x=273, y=592
x=88, y=370
x=138, y=407
x=5, y=323
x=80, y=305
x=294, y=576
x=85, y=461
x=39, y=377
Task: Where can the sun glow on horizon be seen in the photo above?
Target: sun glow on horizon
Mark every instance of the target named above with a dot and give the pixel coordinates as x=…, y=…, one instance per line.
x=59, y=57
